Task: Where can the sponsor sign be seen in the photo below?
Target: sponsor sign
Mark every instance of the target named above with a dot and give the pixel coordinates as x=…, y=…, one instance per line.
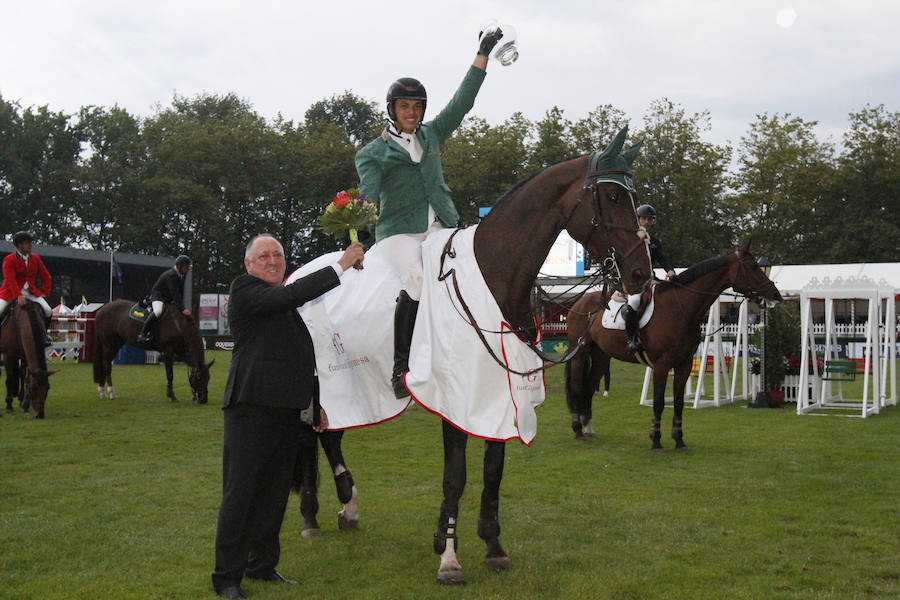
x=213, y=313
x=566, y=258
x=208, y=313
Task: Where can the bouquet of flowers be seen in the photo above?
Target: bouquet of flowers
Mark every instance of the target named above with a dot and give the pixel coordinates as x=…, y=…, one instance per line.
x=348, y=212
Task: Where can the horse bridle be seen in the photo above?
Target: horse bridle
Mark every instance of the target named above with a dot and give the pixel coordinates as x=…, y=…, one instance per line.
x=592, y=185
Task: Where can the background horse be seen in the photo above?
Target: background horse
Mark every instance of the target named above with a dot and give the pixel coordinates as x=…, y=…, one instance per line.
x=22, y=338
x=670, y=337
x=306, y=480
x=175, y=336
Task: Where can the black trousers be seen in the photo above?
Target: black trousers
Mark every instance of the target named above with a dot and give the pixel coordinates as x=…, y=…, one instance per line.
x=259, y=451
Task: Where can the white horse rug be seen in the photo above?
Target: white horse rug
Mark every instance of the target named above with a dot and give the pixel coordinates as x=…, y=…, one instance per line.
x=451, y=372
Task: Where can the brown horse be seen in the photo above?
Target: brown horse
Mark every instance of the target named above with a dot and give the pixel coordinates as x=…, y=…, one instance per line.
x=670, y=337
x=590, y=197
x=22, y=339
x=177, y=336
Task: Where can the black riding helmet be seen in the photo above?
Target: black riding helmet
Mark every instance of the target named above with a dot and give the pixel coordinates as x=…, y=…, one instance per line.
x=405, y=87
x=183, y=261
x=22, y=236
x=645, y=210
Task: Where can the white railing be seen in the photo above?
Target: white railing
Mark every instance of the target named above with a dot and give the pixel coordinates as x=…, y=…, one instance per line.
x=68, y=335
x=857, y=330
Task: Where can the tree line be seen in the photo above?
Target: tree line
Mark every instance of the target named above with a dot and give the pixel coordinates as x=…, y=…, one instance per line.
x=201, y=176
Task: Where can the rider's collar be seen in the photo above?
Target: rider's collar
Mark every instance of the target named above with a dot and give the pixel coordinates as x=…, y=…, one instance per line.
x=392, y=129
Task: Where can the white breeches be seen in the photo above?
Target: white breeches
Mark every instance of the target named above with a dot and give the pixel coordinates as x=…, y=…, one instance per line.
x=634, y=301
x=40, y=300
x=404, y=253
x=158, y=306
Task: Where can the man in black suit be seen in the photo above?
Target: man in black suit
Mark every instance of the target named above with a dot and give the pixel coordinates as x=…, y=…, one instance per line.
x=168, y=289
x=272, y=385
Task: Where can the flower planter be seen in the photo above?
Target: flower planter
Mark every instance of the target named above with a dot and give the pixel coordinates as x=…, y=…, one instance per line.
x=776, y=398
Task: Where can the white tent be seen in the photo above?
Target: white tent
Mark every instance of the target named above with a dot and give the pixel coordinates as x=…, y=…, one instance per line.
x=791, y=279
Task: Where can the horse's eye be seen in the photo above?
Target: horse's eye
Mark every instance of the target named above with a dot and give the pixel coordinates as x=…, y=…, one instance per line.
x=613, y=196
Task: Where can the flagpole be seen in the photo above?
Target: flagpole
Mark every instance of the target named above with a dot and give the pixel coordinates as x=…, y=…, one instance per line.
x=111, y=259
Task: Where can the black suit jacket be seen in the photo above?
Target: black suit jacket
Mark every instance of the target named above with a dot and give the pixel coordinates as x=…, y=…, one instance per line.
x=273, y=363
x=657, y=256
x=169, y=288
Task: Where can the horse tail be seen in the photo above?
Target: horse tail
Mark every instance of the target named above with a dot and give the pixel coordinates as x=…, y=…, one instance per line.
x=97, y=358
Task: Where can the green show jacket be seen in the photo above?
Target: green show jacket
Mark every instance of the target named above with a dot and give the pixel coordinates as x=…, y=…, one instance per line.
x=403, y=189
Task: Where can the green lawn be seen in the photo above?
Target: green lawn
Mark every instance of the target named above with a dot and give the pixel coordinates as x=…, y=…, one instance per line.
x=118, y=499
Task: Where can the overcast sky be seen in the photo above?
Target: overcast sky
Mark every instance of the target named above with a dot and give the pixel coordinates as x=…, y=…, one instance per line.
x=816, y=59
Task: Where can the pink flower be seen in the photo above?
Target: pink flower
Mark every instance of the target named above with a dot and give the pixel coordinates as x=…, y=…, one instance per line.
x=342, y=200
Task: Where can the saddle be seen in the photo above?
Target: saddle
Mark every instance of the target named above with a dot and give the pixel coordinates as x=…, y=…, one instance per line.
x=613, y=318
x=141, y=312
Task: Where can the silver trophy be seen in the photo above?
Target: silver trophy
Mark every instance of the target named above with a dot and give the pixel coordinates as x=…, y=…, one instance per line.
x=505, y=52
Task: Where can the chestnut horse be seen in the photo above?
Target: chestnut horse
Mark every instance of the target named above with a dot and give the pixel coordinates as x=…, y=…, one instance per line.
x=670, y=337
x=22, y=339
x=176, y=336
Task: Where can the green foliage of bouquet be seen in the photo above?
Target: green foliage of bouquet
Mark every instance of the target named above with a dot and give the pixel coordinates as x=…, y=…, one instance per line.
x=348, y=212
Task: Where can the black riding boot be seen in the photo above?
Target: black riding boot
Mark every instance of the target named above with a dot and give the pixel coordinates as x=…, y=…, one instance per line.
x=144, y=336
x=404, y=322
x=632, y=331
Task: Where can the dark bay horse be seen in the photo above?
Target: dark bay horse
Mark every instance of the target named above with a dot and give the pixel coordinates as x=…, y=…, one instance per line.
x=22, y=339
x=590, y=197
x=670, y=337
x=177, y=337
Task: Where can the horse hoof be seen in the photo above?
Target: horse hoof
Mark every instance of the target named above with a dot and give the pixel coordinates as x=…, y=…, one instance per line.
x=498, y=563
x=451, y=576
x=39, y=415
x=345, y=524
x=656, y=446
x=579, y=437
x=590, y=434
x=310, y=532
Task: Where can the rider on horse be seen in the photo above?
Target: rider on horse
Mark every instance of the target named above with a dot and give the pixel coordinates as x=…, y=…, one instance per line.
x=401, y=172
x=21, y=271
x=646, y=215
x=168, y=289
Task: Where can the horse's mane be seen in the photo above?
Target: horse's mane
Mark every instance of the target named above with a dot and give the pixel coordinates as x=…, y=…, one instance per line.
x=38, y=339
x=696, y=271
x=514, y=190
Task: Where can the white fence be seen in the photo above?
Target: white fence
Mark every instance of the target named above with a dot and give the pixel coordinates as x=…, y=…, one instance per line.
x=68, y=335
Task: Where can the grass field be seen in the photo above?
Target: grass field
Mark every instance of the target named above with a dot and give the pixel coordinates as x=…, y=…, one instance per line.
x=118, y=499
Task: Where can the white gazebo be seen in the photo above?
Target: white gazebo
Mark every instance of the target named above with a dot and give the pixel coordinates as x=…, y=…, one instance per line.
x=879, y=389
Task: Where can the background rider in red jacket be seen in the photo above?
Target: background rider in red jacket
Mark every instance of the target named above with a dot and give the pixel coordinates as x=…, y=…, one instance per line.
x=21, y=272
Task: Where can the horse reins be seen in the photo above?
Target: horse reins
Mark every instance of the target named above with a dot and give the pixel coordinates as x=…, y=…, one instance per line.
x=597, y=221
